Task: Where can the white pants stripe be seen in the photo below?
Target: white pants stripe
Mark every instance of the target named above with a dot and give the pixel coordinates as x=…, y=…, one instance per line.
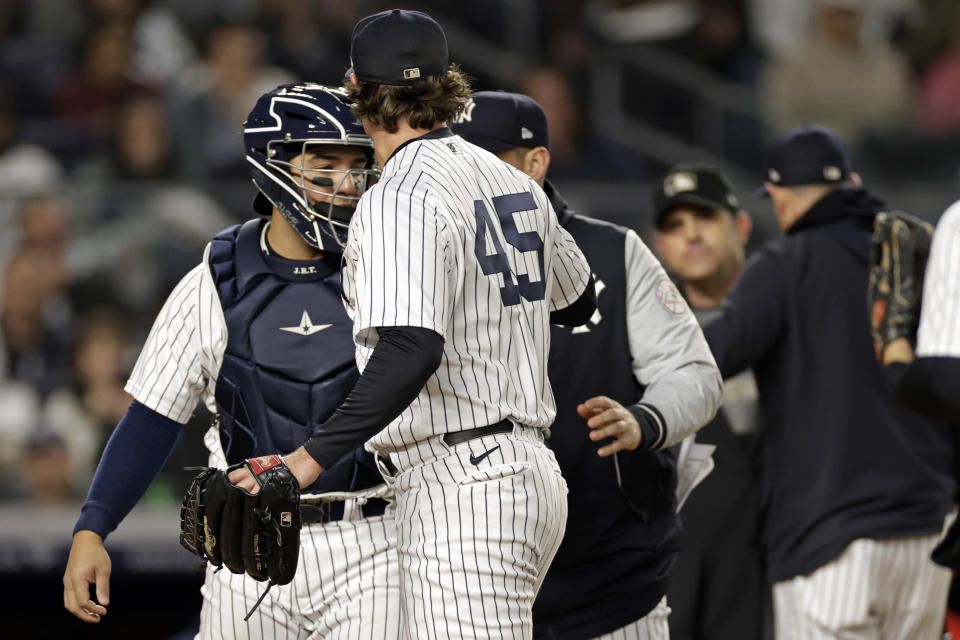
x=885, y=589
x=652, y=626
x=346, y=588
x=475, y=538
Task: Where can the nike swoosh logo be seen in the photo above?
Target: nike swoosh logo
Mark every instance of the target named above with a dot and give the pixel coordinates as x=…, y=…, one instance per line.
x=476, y=460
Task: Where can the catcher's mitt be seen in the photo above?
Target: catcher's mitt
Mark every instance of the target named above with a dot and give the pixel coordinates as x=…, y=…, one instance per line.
x=254, y=534
x=901, y=245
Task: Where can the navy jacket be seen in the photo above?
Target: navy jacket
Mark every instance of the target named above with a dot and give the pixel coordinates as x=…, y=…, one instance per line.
x=622, y=537
x=843, y=459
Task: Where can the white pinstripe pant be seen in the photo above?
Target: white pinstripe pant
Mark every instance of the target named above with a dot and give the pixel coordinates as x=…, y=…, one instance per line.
x=475, y=540
x=875, y=590
x=652, y=626
x=346, y=588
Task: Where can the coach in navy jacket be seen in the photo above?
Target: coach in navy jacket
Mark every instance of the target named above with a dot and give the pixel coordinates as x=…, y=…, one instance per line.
x=622, y=533
x=845, y=464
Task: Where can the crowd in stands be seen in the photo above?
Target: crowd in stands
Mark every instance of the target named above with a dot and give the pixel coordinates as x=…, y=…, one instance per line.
x=120, y=153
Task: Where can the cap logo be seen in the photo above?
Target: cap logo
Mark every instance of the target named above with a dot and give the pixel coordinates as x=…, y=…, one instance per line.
x=411, y=74
x=832, y=173
x=678, y=182
x=732, y=200
x=525, y=134
x=467, y=114
x=774, y=175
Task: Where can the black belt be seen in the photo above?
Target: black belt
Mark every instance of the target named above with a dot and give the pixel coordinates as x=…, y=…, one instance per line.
x=459, y=437
x=333, y=511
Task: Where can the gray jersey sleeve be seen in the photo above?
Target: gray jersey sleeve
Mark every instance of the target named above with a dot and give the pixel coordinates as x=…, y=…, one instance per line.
x=670, y=355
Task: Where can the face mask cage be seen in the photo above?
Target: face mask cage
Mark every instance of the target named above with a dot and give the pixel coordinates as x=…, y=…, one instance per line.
x=325, y=196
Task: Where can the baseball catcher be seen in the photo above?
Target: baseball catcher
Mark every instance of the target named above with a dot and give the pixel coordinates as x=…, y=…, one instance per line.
x=901, y=244
x=254, y=534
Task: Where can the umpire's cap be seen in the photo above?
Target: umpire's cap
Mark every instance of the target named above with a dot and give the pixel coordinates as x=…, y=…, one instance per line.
x=497, y=120
x=398, y=47
x=808, y=154
x=698, y=185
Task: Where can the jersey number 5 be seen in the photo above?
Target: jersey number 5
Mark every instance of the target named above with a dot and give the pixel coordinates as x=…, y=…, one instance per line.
x=514, y=286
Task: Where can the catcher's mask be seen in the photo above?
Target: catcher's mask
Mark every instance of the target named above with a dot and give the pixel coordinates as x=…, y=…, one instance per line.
x=295, y=122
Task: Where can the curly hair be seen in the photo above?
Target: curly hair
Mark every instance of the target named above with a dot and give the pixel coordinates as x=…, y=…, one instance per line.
x=422, y=104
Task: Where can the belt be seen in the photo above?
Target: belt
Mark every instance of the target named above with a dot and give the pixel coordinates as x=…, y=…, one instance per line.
x=459, y=437
x=333, y=511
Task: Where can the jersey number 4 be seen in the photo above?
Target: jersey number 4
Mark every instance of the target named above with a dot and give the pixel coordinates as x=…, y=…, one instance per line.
x=514, y=285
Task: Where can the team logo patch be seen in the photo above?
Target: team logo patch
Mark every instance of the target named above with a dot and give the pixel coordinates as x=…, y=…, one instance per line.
x=306, y=326
x=774, y=175
x=412, y=73
x=261, y=464
x=832, y=173
x=286, y=519
x=679, y=182
x=669, y=296
x=525, y=134
x=467, y=114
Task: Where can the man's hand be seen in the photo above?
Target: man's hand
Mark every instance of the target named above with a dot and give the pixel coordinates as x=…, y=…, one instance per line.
x=609, y=419
x=303, y=467
x=89, y=563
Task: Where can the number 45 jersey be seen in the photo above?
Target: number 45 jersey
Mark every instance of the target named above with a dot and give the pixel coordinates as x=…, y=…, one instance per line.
x=454, y=240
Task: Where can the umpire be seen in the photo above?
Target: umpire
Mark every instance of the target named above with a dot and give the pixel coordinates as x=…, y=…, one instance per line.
x=856, y=488
x=609, y=576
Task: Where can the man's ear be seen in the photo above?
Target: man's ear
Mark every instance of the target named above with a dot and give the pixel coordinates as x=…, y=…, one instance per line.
x=658, y=244
x=744, y=225
x=855, y=179
x=536, y=162
x=353, y=78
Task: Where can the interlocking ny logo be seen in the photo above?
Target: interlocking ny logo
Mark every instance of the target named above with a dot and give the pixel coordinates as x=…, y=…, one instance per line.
x=596, y=318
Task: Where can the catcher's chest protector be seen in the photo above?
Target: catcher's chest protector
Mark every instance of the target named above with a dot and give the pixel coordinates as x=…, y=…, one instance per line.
x=289, y=360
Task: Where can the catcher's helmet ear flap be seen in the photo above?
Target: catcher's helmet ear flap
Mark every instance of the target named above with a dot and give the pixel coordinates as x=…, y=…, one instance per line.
x=287, y=123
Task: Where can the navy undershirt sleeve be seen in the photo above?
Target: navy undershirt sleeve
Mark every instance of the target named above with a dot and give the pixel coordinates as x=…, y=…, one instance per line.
x=580, y=311
x=134, y=455
x=927, y=386
x=401, y=363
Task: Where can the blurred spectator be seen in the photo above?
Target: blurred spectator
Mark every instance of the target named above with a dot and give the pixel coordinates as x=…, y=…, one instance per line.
x=35, y=317
x=92, y=94
x=25, y=169
x=309, y=38
x=576, y=153
x=143, y=226
x=160, y=46
x=626, y=21
x=214, y=98
x=46, y=470
x=931, y=31
x=836, y=79
x=84, y=414
x=721, y=42
x=941, y=91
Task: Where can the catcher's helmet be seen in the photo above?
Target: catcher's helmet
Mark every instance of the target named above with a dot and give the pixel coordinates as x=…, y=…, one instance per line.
x=286, y=123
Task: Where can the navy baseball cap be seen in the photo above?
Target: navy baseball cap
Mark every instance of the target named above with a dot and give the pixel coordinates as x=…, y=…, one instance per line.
x=808, y=154
x=697, y=185
x=398, y=47
x=497, y=120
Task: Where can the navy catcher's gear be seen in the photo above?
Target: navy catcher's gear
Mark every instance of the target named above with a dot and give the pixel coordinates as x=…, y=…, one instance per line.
x=287, y=123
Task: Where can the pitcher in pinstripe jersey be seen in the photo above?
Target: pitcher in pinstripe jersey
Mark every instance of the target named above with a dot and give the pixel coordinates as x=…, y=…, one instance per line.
x=455, y=266
x=257, y=332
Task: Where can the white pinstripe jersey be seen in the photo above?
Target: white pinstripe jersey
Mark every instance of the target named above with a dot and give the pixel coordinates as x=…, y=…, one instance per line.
x=939, y=333
x=181, y=359
x=454, y=240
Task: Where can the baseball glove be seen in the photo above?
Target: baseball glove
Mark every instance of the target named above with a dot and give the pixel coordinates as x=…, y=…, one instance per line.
x=901, y=245
x=254, y=534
